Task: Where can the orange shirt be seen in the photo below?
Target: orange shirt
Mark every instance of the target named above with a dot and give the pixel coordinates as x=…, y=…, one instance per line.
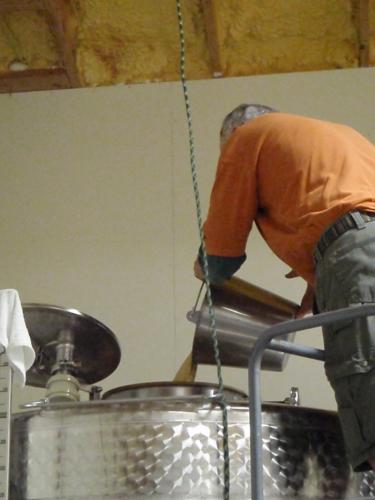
x=293, y=176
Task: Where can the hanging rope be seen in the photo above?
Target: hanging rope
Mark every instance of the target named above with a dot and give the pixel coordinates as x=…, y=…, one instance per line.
x=204, y=252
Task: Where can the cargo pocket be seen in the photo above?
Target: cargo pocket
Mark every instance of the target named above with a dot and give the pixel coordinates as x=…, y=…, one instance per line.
x=340, y=349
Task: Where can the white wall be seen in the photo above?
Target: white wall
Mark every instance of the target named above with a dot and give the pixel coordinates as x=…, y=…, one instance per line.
x=97, y=210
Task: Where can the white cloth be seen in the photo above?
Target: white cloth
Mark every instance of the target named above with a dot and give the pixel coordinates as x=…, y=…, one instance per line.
x=14, y=336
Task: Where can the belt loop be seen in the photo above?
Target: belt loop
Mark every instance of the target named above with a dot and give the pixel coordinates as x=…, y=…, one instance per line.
x=358, y=219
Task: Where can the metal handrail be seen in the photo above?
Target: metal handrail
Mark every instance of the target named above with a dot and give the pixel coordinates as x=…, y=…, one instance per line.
x=255, y=404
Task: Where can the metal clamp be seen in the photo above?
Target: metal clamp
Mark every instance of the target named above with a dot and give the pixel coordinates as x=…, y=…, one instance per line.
x=265, y=341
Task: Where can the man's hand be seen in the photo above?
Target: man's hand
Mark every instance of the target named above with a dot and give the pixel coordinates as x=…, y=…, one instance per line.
x=198, y=270
x=307, y=302
x=291, y=274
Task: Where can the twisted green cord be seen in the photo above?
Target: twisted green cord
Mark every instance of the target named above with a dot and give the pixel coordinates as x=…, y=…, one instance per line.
x=205, y=261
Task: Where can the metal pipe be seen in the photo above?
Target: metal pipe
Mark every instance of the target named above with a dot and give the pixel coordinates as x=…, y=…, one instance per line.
x=255, y=404
x=297, y=349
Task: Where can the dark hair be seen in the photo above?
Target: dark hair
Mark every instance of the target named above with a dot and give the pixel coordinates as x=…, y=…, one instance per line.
x=240, y=115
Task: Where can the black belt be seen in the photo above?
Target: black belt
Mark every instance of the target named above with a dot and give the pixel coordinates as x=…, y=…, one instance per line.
x=352, y=220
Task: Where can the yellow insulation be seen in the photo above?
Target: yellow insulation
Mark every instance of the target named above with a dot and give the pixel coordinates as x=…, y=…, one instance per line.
x=26, y=35
x=271, y=36
x=127, y=41
x=135, y=41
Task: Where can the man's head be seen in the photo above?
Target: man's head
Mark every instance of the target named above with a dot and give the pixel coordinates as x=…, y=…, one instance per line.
x=240, y=115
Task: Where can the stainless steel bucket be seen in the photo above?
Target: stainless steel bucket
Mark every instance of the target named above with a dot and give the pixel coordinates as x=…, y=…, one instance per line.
x=242, y=312
x=173, y=449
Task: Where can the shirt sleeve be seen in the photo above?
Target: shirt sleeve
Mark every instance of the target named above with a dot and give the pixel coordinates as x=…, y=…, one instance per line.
x=221, y=269
x=233, y=201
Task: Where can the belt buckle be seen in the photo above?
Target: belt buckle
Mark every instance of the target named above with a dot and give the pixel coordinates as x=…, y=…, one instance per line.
x=358, y=219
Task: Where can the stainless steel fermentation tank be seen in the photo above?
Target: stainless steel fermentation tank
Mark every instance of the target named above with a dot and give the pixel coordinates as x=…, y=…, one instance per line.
x=160, y=439
x=173, y=449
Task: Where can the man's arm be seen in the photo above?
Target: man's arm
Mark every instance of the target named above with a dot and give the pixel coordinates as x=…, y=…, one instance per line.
x=233, y=208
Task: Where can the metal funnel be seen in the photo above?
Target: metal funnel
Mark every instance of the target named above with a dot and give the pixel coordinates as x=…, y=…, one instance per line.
x=242, y=312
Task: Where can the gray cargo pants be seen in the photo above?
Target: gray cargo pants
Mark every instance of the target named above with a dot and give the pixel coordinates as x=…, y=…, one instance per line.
x=345, y=276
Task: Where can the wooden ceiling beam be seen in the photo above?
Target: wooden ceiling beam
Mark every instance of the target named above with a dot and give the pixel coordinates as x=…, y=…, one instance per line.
x=33, y=79
x=63, y=23
x=363, y=17
x=14, y=5
x=210, y=17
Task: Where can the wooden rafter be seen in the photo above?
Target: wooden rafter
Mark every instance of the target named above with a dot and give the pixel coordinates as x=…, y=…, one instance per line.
x=14, y=5
x=363, y=17
x=63, y=24
x=210, y=16
x=33, y=79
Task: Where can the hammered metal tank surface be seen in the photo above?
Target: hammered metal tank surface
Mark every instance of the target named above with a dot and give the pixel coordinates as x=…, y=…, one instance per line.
x=173, y=449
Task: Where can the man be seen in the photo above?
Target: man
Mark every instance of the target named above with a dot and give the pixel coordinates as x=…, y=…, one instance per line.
x=309, y=186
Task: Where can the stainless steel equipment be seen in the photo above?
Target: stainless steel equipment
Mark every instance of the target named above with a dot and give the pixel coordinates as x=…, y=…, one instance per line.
x=72, y=349
x=160, y=439
x=173, y=449
x=67, y=338
x=242, y=312
x=174, y=390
